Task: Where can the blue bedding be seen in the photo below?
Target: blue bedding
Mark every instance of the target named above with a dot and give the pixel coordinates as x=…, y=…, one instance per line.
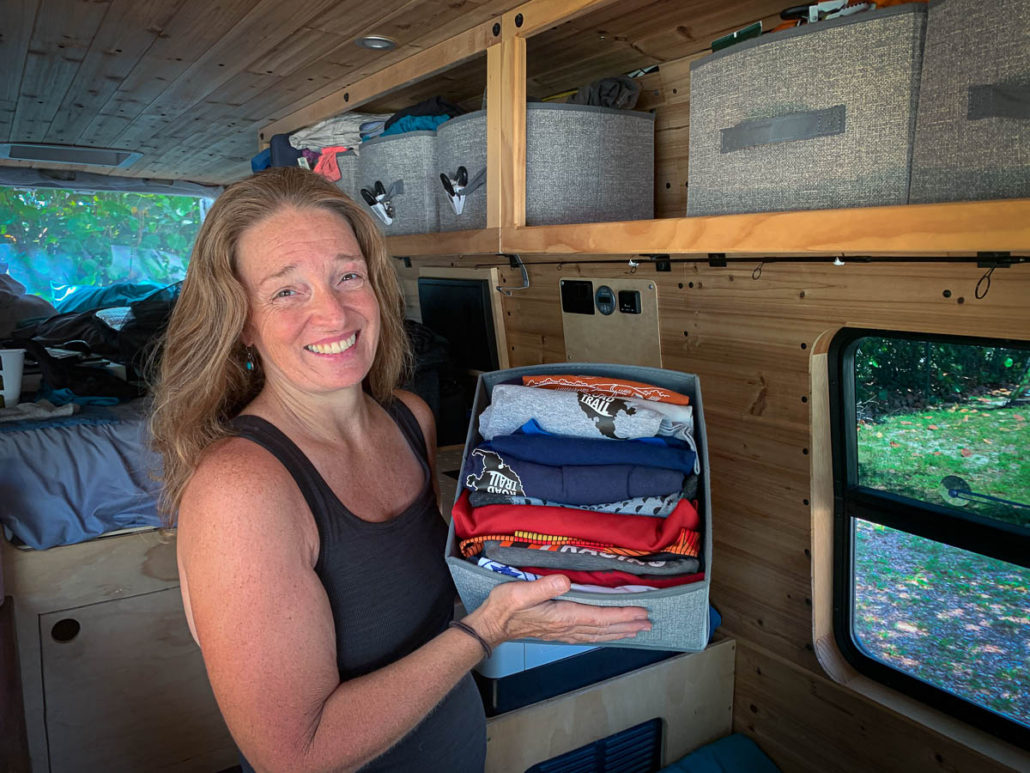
x=71, y=479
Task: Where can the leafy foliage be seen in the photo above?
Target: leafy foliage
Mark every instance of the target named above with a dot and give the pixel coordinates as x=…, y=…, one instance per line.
x=899, y=375
x=52, y=237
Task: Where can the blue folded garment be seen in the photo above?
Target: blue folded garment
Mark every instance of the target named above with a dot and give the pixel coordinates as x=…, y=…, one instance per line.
x=555, y=450
x=495, y=473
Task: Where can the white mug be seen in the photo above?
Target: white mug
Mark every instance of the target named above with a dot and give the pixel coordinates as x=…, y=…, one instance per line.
x=11, y=363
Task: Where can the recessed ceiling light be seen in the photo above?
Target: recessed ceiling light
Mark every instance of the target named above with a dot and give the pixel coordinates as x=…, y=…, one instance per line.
x=377, y=42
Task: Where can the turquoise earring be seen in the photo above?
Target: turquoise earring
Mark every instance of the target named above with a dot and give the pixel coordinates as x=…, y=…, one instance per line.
x=250, y=359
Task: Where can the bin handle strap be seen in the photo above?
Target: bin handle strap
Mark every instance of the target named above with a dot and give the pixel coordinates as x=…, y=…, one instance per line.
x=458, y=186
x=789, y=127
x=995, y=100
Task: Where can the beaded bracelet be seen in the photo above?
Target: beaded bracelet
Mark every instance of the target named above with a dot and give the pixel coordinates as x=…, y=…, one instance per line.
x=487, y=649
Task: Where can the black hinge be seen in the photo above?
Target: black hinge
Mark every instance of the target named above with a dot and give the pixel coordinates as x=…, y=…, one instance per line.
x=661, y=262
x=717, y=259
x=995, y=259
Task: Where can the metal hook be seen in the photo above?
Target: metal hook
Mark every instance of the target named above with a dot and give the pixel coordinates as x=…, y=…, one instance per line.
x=986, y=288
x=757, y=273
x=633, y=266
x=515, y=262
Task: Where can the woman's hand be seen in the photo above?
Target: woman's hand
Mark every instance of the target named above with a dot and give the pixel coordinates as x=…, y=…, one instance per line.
x=515, y=610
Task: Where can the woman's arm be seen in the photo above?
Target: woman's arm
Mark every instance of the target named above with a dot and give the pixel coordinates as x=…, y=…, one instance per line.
x=248, y=547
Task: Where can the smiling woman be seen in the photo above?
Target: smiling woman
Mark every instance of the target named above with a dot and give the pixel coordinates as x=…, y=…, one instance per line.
x=314, y=319
x=304, y=491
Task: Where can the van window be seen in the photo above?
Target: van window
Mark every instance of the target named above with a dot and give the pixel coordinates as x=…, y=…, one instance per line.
x=60, y=242
x=931, y=441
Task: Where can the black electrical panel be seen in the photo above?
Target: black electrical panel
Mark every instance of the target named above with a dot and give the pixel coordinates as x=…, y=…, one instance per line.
x=577, y=296
x=629, y=301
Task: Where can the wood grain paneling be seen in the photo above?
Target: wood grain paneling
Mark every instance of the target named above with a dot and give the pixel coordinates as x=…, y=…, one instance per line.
x=744, y=341
x=807, y=723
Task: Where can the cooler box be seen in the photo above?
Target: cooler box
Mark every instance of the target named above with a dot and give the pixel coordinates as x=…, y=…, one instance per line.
x=814, y=117
x=679, y=615
x=461, y=142
x=588, y=164
x=973, y=123
x=405, y=166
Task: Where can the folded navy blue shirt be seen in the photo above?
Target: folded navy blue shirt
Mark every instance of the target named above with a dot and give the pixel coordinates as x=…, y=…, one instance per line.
x=497, y=472
x=555, y=451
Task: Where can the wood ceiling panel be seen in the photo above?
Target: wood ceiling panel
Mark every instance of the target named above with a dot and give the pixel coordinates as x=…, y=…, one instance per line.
x=128, y=30
x=268, y=24
x=197, y=27
x=15, y=34
x=181, y=79
x=60, y=39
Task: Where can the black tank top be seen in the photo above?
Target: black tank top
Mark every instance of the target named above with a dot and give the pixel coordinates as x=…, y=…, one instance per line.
x=390, y=593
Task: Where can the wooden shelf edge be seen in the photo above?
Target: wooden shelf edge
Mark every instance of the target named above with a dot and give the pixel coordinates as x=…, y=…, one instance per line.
x=921, y=230
x=949, y=229
x=481, y=242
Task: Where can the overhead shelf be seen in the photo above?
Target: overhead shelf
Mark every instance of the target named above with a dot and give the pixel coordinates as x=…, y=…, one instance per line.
x=482, y=242
x=930, y=230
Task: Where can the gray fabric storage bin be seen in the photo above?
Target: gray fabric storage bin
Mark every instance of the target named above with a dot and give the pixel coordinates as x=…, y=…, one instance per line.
x=815, y=117
x=407, y=164
x=679, y=615
x=588, y=164
x=461, y=141
x=973, y=123
x=348, y=182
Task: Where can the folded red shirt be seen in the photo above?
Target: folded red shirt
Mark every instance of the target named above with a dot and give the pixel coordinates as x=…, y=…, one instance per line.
x=629, y=534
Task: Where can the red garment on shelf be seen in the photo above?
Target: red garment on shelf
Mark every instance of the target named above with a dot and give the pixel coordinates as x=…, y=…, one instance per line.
x=623, y=534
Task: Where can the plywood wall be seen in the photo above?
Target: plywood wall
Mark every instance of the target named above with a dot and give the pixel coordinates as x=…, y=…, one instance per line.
x=750, y=341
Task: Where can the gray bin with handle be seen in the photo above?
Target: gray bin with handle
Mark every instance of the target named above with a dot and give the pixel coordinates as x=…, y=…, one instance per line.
x=815, y=117
x=588, y=164
x=973, y=124
x=405, y=166
x=347, y=162
x=679, y=615
x=461, y=143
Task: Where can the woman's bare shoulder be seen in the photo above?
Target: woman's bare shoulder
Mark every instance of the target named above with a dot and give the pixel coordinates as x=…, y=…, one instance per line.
x=421, y=410
x=240, y=488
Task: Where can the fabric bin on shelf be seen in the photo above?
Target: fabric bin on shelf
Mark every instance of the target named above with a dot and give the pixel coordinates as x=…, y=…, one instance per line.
x=588, y=164
x=347, y=162
x=679, y=615
x=815, y=117
x=405, y=166
x=461, y=142
x=973, y=123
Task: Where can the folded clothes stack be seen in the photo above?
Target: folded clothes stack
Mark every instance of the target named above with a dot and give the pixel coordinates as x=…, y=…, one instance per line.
x=585, y=476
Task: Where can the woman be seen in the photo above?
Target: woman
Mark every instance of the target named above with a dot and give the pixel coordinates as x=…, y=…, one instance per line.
x=310, y=542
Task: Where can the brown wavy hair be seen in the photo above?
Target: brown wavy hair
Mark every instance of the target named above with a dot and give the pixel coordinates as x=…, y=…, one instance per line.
x=202, y=380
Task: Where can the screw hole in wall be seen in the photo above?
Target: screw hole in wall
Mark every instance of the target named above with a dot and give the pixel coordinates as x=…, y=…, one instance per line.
x=65, y=630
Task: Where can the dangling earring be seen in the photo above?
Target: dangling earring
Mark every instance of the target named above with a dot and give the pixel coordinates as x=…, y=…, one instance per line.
x=250, y=359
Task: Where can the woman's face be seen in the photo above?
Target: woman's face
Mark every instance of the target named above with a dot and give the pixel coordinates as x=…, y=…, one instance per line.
x=313, y=316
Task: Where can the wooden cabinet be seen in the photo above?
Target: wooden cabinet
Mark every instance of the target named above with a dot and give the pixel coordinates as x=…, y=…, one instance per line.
x=125, y=689
x=542, y=48
x=111, y=678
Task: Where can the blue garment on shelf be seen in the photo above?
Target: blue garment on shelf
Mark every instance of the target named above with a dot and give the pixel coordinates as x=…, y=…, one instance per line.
x=555, y=450
x=415, y=123
x=261, y=161
x=587, y=484
x=532, y=427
